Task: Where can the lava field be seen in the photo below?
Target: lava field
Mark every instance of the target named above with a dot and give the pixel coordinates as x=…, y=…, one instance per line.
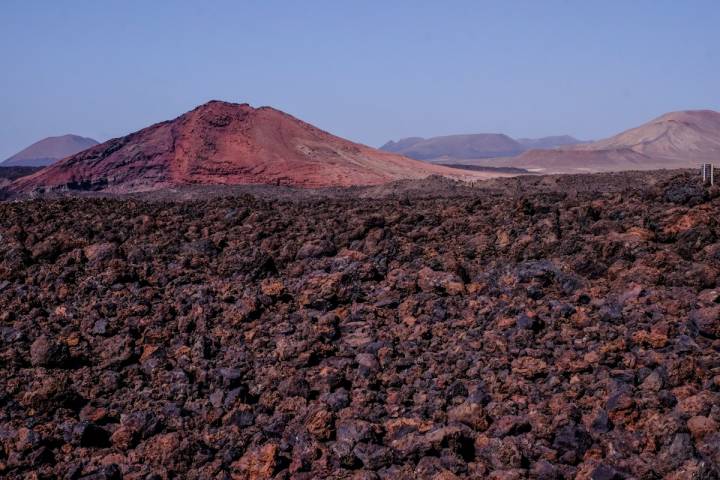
x=537, y=328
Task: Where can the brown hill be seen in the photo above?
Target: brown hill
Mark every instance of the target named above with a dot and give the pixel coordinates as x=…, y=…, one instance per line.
x=674, y=140
x=49, y=150
x=230, y=144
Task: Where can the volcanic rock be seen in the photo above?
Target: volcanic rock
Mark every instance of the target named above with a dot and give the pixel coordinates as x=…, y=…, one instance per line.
x=426, y=334
x=229, y=144
x=45, y=352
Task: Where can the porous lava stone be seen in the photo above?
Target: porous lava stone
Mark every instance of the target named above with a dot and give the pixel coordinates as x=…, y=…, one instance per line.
x=542, y=327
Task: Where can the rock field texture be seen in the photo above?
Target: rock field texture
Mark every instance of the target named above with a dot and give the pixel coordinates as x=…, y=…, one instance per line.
x=537, y=328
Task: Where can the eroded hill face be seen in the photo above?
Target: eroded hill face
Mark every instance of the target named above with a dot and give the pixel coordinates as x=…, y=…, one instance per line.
x=224, y=143
x=675, y=135
x=540, y=327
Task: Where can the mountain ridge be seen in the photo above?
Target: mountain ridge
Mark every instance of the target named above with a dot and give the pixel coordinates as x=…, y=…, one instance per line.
x=471, y=146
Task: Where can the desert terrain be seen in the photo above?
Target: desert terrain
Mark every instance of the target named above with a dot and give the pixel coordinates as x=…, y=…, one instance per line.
x=547, y=327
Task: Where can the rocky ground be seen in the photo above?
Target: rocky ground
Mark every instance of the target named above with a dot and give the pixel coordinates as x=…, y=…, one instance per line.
x=541, y=327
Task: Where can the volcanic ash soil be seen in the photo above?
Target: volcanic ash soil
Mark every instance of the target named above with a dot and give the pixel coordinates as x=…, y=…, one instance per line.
x=500, y=333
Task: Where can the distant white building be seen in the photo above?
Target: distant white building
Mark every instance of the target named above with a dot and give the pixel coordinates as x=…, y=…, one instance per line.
x=708, y=173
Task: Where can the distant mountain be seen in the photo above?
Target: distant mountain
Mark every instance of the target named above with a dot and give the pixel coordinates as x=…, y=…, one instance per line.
x=49, y=150
x=473, y=146
x=402, y=144
x=230, y=144
x=548, y=142
x=481, y=145
x=675, y=140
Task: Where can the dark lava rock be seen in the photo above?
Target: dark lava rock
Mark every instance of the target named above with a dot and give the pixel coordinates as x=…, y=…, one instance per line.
x=572, y=441
x=86, y=434
x=685, y=194
x=606, y=472
x=108, y=472
x=45, y=352
x=546, y=327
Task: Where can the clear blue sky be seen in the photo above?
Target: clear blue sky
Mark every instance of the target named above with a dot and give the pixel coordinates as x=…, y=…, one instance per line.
x=366, y=70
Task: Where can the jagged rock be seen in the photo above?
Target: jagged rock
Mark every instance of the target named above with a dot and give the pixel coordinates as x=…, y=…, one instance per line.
x=562, y=328
x=700, y=426
x=257, y=464
x=46, y=352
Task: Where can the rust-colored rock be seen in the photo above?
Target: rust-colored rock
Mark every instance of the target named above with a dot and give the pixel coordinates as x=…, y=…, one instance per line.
x=412, y=330
x=229, y=144
x=258, y=464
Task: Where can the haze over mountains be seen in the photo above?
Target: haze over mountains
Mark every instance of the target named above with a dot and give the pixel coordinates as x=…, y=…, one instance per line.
x=675, y=140
x=49, y=150
x=226, y=143
x=231, y=144
x=549, y=142
x=472, y=146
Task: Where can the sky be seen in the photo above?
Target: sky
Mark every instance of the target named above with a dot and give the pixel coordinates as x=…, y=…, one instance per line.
x=368, y=70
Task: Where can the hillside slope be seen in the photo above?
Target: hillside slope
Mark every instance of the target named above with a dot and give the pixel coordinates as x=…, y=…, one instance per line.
x=230, y=144
x=674, y=140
